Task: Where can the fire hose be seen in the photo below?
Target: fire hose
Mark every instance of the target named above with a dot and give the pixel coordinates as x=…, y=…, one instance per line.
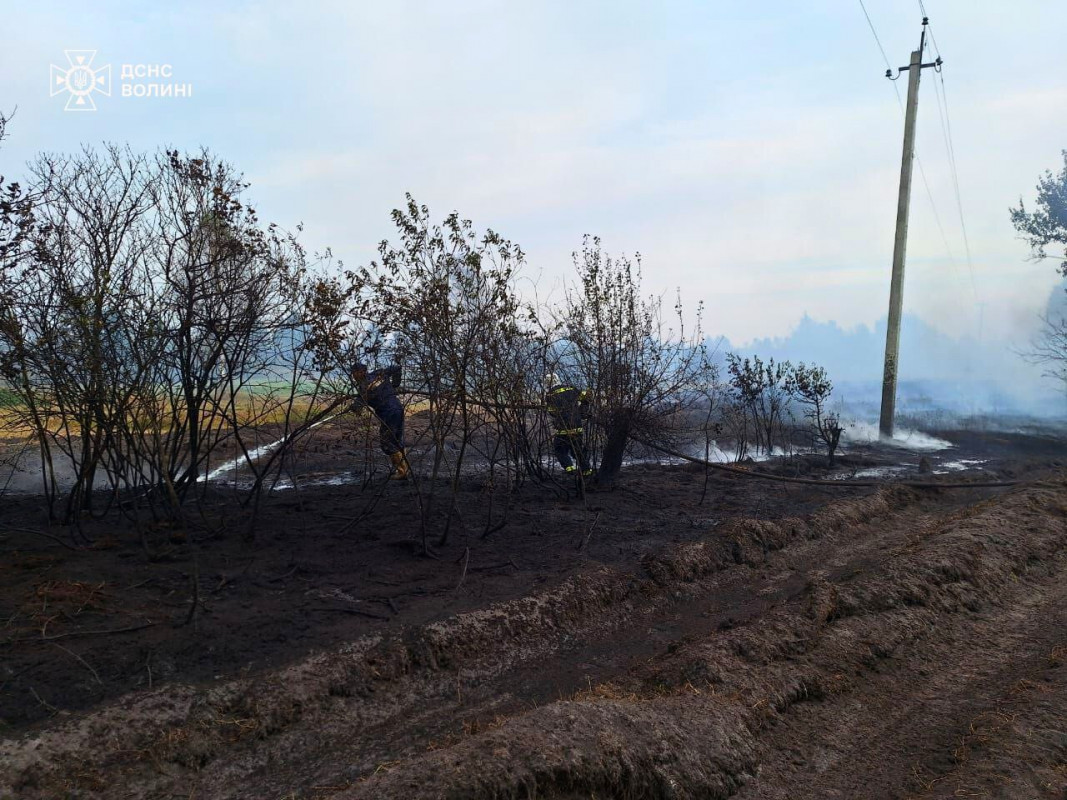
x=767, y=476
x=819, y=482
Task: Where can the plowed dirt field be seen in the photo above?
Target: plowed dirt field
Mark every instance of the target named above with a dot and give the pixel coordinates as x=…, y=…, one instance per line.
x=659, y=641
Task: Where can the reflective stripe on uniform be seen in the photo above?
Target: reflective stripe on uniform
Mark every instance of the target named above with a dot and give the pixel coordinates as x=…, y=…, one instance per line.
x=562, y=389
x=569, y=432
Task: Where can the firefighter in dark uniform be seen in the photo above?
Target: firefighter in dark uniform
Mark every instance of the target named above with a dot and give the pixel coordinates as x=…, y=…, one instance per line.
x=377, y=389
x=567, y=408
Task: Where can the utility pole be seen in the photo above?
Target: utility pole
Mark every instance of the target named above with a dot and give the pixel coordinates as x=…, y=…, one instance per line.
x=900, y=243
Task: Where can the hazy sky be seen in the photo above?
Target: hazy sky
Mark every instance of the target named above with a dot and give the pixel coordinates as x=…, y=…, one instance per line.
x=749, y=151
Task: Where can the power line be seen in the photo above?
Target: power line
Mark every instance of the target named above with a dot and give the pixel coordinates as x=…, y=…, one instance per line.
x=915, y=67
x=956, y=178
x=918, y=159
x=922, y=8
x=868, y=16
x=937, y=217
x=942, y=100
x=946, y=123
x=950, y=153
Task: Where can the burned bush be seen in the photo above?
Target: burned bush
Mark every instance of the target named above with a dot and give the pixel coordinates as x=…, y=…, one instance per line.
x=442, y=303
x=643, y=373
x=145, y=307
x=812, y=387
x=760, y=394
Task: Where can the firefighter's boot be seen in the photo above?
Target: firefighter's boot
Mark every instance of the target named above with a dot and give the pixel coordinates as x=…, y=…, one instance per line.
x=400, y=466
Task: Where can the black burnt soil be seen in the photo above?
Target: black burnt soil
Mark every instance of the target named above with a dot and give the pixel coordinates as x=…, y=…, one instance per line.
x=678, y=563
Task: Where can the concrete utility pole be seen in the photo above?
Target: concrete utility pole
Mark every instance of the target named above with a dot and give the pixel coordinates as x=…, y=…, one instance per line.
x=896, y=288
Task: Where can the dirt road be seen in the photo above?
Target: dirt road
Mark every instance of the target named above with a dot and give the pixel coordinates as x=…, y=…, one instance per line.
x=900, y=644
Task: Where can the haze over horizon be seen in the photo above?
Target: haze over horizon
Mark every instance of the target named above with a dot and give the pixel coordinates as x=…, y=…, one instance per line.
x=751, y=154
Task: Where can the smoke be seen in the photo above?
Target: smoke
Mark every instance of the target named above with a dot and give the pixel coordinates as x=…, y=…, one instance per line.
x=717, y=455
x=938, y=373
x=867, y=433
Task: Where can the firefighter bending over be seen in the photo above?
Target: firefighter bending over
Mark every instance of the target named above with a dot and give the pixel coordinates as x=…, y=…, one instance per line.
x=567, y=408
x=377, y=389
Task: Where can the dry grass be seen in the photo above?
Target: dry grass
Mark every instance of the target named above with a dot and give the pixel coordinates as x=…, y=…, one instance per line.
x=250, y=409
x=612, y=692
x=62, y=600
x=70, y=597
x=1058, y=656
x=607, y=691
